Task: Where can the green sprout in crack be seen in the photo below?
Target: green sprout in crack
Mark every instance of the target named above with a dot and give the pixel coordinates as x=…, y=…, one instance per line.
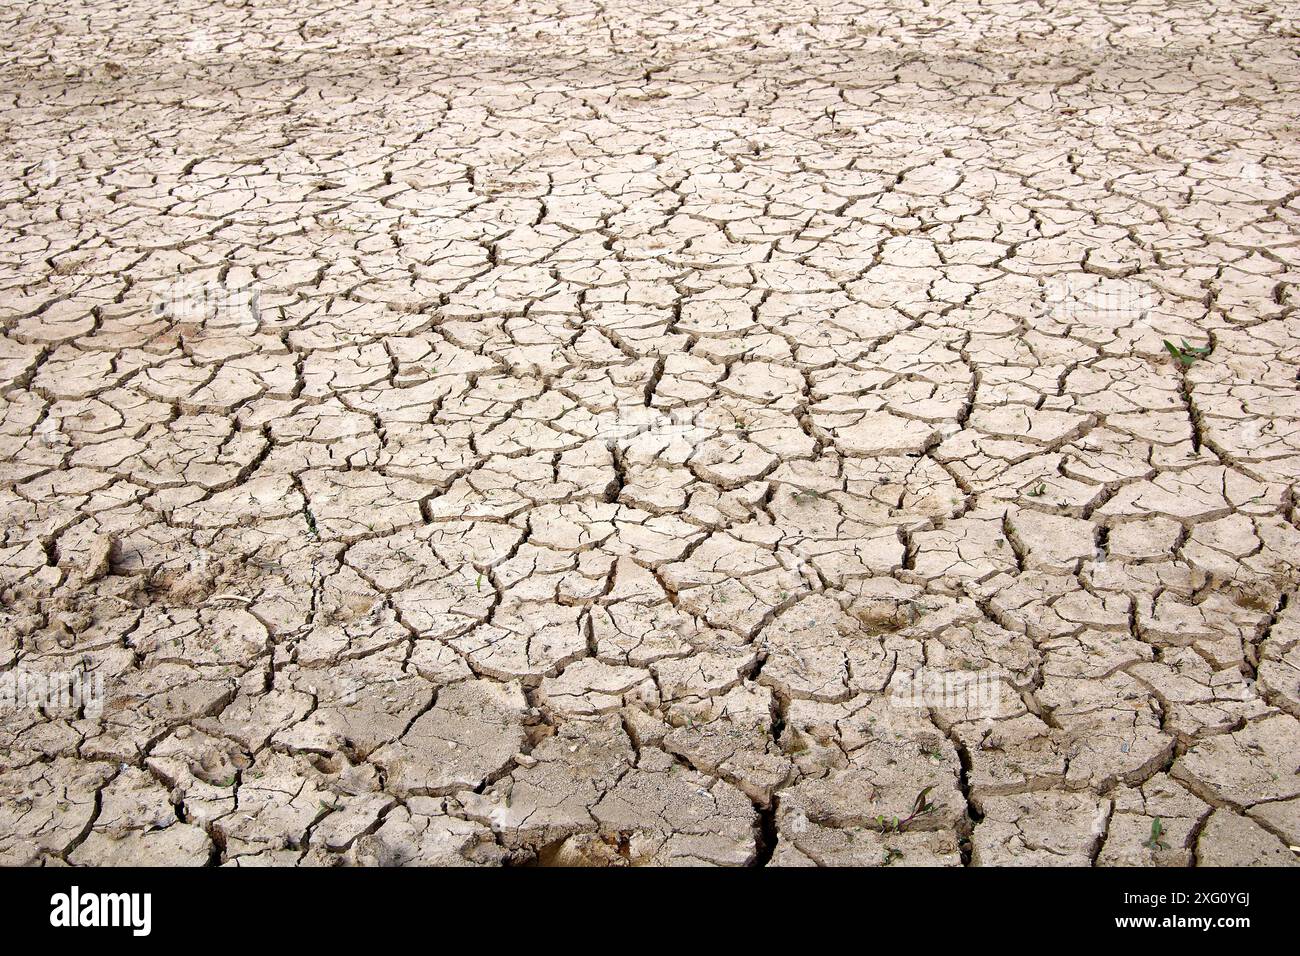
x=1038, y=490
x=311, y=522
x=1157, y=831
x=921, y=806
x=1187, y=354
x=891, y=855
x=478, y=583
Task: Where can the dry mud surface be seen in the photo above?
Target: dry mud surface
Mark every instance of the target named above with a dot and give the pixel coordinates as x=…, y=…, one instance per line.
x=560, y=432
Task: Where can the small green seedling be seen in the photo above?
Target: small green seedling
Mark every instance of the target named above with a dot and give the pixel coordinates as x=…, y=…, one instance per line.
x=1187, y=354
x=1157, y=831
x=891, y=855
x=478, y=583
x=920, y=807
x=1038, y=490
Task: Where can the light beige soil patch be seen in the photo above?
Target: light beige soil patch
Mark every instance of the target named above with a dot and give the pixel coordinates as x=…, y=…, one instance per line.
x=639, y=433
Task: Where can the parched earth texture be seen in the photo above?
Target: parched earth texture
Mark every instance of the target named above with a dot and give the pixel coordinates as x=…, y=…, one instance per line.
x=553, y=432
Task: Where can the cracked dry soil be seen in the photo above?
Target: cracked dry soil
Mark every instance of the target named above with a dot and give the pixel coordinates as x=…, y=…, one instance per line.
x=550, y=432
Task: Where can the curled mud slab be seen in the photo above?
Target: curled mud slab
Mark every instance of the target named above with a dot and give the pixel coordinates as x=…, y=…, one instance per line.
x=576, y=433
